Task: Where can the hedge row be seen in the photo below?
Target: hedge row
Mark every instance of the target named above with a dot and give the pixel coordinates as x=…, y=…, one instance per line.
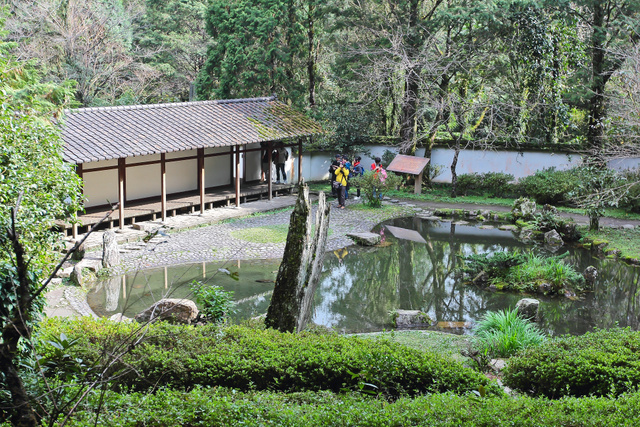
x=256, y=359
x=601, y=363
x=218, y=407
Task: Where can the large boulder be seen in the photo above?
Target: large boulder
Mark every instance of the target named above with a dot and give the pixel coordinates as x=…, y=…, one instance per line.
x=365, y=239
x=170, y=309
x=406, y=319
x=528, y=308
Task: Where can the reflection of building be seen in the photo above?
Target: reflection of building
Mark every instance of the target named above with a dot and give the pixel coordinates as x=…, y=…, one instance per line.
x=158, y=158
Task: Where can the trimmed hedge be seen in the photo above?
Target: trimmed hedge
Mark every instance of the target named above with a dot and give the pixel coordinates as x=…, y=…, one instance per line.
x=222, y=407
x=601, y=363
x=550, y=186
x=253, y=359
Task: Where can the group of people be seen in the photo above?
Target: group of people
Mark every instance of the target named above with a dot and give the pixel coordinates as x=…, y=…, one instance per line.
x=342, y=169
x=279, y=156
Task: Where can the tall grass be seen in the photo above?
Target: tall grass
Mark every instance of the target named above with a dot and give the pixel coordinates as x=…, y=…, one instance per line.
x=503, y=333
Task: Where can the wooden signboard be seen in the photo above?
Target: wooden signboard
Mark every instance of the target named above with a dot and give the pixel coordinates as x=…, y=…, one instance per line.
x=411, y=165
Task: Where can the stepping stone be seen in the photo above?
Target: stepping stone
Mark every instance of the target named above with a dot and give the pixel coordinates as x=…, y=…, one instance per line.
x=507, y=228
x=486, y=227
x=461, y=223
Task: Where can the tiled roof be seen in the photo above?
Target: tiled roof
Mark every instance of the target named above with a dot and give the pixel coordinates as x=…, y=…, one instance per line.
x=92, y=134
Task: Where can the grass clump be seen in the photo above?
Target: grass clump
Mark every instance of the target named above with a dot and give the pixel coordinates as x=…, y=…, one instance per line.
x=600, y=363
x=523, y=273
x=503, y=333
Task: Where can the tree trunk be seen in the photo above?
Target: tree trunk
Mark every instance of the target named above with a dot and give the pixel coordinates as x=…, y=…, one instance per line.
x=311, y=60
x=290, y=307
x=454, y=175
x=408, y=120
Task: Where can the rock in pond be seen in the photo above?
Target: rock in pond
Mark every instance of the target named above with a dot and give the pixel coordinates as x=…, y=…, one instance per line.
x=528, y=308
x=365, y=239
x=404, y=319
x=172, y=309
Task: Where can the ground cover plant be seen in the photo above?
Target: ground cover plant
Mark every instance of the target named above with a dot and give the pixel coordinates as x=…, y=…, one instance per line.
x=220, y=406
x=256, y=359
x=522, y=272
x=600, y=363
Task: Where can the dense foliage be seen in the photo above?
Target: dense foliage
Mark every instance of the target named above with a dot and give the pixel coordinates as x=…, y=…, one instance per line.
x=600, y=363
x=219, y=406
x=252, y=359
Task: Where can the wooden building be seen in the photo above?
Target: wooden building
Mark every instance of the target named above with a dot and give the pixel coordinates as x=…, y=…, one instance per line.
x=155, y=159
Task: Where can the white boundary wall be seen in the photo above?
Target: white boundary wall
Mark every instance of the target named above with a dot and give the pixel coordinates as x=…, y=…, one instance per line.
x=315, y=165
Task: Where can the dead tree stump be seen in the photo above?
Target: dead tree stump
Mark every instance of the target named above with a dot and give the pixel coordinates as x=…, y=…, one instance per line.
x=290, y=308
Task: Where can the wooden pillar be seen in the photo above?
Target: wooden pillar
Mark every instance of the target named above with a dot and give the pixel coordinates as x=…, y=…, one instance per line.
x=201, y=177
x=163, y=186
x=237, y=175
x=121, y=189
x=269, y=183
x=74, y=226
x=299, y=160
x=418, y=184
x=231, y=162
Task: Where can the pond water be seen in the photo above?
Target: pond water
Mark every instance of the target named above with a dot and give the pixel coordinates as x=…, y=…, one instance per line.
x=360, y=286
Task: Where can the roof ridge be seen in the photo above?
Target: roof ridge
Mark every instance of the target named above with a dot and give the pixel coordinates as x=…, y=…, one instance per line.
x=170, y=104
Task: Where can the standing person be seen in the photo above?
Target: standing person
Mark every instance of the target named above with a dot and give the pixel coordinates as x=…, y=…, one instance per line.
x=282, y=155
x=342, y=174
x=347, y=164
x=265, y=165
x=380, y=174
x=358, y=170
x=332, y=171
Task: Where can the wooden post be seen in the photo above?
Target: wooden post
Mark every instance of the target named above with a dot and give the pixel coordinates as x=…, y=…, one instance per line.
x=201, y=178
x=163, y=186
x=237, y=175
x=418, y=184
x=299, y=160
x=121, y=189
x=269, y=183
x=74, y=227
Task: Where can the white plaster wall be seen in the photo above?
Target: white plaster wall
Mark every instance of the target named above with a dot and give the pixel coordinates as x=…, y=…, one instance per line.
x=100, y=188
x=182, y=176
x=100, y=164
x=217, y=171
x=623, y=164
x=143, y=181
x=252, y=161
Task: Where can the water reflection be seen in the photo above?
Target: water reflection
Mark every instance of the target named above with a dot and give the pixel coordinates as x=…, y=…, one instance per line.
x=359, y=287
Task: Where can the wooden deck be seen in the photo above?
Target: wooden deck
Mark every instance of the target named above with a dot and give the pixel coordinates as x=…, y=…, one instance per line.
x=177, y=204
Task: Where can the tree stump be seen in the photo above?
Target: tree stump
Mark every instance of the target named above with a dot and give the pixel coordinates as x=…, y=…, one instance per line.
x=290, y=308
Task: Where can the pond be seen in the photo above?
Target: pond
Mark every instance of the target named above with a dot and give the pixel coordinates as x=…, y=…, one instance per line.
x=360, y=286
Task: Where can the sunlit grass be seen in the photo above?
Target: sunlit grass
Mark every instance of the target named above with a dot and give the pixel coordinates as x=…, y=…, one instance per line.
x=625, y=241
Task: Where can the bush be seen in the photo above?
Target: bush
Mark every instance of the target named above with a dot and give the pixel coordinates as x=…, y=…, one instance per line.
x=503, y=333
x=218, y=407
x=373, y=190
x=216, y=303
x=631, y=201
x=550, y=186
x=493, y=184
x=249, y=359
x=600, y=363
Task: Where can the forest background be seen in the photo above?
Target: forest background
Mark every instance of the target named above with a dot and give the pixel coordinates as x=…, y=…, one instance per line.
x=407, y=72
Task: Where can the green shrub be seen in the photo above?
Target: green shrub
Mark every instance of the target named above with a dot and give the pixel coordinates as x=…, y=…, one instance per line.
x=600, y=363
x=493, y=184
x=223, y=407
x=631, y=201
x=550, y=186
x=242, y=358
x=503, y=333
x=215, y=302
x=373, y=189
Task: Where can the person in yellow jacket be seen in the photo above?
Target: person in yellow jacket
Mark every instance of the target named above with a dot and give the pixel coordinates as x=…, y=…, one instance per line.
x=342, y=176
